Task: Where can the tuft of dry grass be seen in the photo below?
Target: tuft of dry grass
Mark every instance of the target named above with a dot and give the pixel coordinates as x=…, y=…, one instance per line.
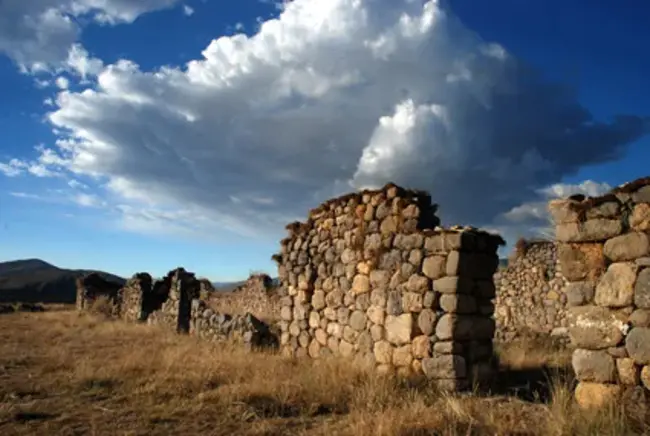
x=64, y=372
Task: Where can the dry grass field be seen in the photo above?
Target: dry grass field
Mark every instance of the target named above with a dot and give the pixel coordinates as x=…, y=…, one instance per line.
x=65, y=373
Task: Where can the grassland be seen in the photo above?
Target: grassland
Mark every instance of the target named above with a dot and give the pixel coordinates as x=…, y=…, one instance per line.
x=66, y=373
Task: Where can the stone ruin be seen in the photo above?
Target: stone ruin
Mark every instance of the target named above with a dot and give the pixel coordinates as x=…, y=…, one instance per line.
x=173, y=303
x=257, y=296
x=604, y=252
x=371, y=275
x=93, y=286
x=530, y=299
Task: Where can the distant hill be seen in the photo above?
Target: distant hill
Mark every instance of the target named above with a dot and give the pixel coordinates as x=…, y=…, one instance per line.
x=34, y=280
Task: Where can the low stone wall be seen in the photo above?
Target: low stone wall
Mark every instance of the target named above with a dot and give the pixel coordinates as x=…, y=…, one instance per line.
x=256, y=296
x=370, y=275
x=604, y=250
x=530, y=297
x=244, y=329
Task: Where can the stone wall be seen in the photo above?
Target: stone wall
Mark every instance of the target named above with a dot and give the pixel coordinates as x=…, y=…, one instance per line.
x=370, y=275
x=257, y=296
x=180, y=288
x=93, y=286
x=604, y=250
x=530, y=296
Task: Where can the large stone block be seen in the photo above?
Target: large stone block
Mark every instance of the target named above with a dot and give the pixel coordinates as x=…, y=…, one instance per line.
x=445, y=366
x=593, y=366
x=616, y=287
x=627, y=247
x=642, y=290
x=589, y=231
x=596, y=328
x=637, y=344
x=581, y=261
x=640, y=218
x=399, y=329
x=590, y=395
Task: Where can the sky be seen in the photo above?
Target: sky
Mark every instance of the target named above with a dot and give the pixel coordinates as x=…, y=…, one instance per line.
x=146, y=135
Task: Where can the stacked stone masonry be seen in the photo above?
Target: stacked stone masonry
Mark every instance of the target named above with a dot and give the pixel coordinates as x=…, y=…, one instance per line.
x=92, y=287
x=530, y=299
x=257, y=296
x=173, y=303
x=604, y=251
x=371, y=275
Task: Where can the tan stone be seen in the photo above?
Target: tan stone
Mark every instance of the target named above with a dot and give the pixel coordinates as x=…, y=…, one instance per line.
x=346, y=349
x=376, y=314
x=593, y=366
x=427, y=322
x=457, y=303
x=358, y=320
x=561, y=212
x=314, y=349
x=402, y=356
x=399, y=329
x=445, y=366
x=596, y=395
x=581, y=261
x=360, y=284
x=418, y=283
x=616, y=287
x=627, y=247
x=321, y=336
x=589, y=231
x=642, y=290
x=421, y=347
x=637, y=344
x=594, y=327
x=628, y=372
x=412, y=302
x=434, y=267
x=645, y=376
x=363, y=268
x=640, y=218
x=383, y=352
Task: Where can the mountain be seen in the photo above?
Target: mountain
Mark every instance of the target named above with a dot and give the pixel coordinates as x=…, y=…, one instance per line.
x=37, y=281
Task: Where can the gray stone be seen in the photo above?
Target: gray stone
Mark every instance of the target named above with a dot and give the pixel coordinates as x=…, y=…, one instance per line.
x=394, y=304
x=592, y=230
x=616, y=287
x=445, y=366
x=627, y=247
x=448, y=347
x=637, y=344
x=642, y=195
x=318, y=300
x=453, y=285
x=595, y=328
x=457, y=303
x=642, y=290
x=593, y=366
x=358, y=320
x=640, y=318
x=579, y=293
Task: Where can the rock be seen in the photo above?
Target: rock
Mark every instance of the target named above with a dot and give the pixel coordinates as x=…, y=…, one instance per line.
x=321, y=336
x=365, y=342
x=334, y=299
x=642, y=195
x=377, y=332
x=399, y=329
x=561, y=211
x=461, y=327
x=394, y=303
x=579, y=260
x=448, y=347
x=412, y=302
x=596, y=395
x=645, y=376
x=360, y=284
x=358, y=320
x=642, y=290
x=383, y=352
x=376, y=314
x=314, y=349
x=637, y=344
x=593, y=366
x=589, y=231
x=457, y=303
x=640, y=318
x=640, y=218
x=402, y=356
x=418, y=284
x=616, y=287
x=627, y=371
x=453, y=285
x=318, y=300
x=421, y=347
x=627, y=247
x=434, y=267
x=427, y=322
x=444, y=366
x=595, y=328
x=579, y=293
x=346, y=349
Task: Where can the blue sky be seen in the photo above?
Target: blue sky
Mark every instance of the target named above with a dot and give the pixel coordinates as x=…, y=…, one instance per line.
x=156, y=163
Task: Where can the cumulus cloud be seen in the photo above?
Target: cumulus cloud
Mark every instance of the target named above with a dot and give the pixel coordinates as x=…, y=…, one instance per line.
x=188, y=10
x=38, y=34
x=329, y=97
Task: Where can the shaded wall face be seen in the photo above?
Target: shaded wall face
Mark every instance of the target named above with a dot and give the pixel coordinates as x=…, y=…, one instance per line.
x=531, y=298
x=604, y=250
x=368, y=284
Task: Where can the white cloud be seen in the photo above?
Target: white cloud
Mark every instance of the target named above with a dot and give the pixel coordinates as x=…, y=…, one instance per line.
x=188, y=11
x=38, y=34
x=62, y=82
x=330, y=96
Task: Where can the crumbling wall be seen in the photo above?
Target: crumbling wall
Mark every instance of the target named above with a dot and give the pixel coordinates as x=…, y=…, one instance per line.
x=256, y=296
x=92, y=286
x=370, y=275
x=180, y=288
x=604, y=251
x=530, y=297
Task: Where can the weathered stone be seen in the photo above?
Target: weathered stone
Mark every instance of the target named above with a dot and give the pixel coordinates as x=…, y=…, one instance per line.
x=286, y=313
x=343, y=315
x=609, y=209
x=580, y=261
x=365, y=342
x=640, y=218
x=394, y=303
x=379, y=279
x=596, y=395
x=335, y=329
x=561, y=212
x=358, y=320
x=627, y=371
x=412, y=302
x=627, y=247
x=321, y=336
x=421, y=347
x=333, y=344
x=314, y=319
x=376, y=314
x=417, y=283
x=314, y=349
x=318, y=300
x=579, y=293
x=589, y=231
x=637, y=344
x=645, y=376
x=593, y=366
x=427, y=322
x=399, y=329
x=454, y=285
x=402, y=356
x=640, y=318
x=434, y=267
x=642, y=195
x=377, y=332
x=334, y=299
x=429, y=300
x=448, y=347
x=616, y=287
x=456, y=327
x=618, y=352
x=383, y=352
x=378, y=297
x=642, y=290
x=346, y=349
x=445, y=366
x=360, y=284
x=595, y=328
x=457, y=303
